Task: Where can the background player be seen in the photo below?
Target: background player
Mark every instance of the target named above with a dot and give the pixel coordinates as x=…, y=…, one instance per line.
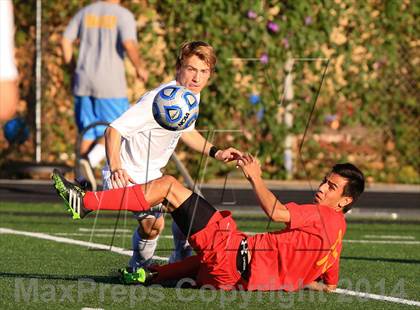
x=105, y=30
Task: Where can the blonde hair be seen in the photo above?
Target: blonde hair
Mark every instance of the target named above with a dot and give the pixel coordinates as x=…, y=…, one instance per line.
x=201, y=49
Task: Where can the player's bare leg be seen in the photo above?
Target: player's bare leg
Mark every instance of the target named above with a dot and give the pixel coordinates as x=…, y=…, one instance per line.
x=166, y=188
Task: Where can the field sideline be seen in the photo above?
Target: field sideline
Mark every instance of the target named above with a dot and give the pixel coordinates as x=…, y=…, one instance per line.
x=38, y=270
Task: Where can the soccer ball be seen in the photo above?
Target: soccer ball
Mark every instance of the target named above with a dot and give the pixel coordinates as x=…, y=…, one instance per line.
x=175, y=108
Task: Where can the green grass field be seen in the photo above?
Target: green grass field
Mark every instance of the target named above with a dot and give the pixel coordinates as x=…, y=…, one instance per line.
x=45, y=274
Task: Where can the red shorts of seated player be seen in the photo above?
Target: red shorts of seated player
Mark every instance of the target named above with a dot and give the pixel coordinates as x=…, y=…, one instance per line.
x=217, y=245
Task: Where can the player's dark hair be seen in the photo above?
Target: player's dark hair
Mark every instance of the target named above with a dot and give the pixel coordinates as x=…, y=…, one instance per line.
x=355, y=182
x=201, y=49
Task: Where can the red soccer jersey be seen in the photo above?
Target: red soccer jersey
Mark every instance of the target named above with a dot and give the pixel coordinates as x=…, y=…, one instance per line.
x=309, y=248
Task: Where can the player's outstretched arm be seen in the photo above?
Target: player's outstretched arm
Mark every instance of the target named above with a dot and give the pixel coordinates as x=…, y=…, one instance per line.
x=228, y=154
x=274, y=209
x=197, y=142
x=194, y=140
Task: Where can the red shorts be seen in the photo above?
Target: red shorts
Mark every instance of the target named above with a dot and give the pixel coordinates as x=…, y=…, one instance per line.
x=217, y=245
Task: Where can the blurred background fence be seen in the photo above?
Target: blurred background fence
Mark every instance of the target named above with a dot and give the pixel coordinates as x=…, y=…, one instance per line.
x=354, y=63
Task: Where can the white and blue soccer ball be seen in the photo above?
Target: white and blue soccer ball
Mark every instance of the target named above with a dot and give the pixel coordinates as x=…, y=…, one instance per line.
x=175, y=108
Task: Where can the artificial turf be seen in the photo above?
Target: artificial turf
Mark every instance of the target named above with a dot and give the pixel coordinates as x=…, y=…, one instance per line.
x=37, y=273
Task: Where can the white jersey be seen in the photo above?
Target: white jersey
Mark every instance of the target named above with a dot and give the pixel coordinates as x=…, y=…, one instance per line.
x=145, y=147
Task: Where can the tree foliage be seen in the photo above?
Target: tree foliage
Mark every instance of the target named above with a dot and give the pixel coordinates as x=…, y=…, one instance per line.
x=367, y=110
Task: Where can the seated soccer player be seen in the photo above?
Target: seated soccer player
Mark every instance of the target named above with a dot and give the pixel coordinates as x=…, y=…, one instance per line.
x=305, y=254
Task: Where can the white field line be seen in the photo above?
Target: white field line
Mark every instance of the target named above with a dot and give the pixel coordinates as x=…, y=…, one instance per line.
x=125, y=252
x=381, y=241
x=72, y=241
x=105, y=235
x=389, y=237
x=105, y=230
x=87, y=308
x=378, y=297
x=88, y=235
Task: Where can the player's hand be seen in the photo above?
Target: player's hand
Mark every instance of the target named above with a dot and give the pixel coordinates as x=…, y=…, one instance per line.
x=120, y=178
x=250, y=166
x=228, y=154
x=142, y=74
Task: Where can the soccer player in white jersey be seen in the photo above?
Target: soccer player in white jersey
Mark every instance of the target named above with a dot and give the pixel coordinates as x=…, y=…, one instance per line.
x=138, y=148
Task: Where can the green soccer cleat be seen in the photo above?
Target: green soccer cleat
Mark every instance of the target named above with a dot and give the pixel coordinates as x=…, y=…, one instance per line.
x=140, y=276
x=71, y=194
